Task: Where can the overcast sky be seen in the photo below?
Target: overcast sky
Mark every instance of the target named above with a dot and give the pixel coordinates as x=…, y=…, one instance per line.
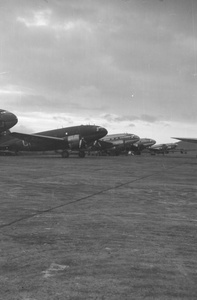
x=127, y=65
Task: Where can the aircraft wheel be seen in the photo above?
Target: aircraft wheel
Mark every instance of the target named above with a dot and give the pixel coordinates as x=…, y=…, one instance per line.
x=81, y=154
x=65, y=154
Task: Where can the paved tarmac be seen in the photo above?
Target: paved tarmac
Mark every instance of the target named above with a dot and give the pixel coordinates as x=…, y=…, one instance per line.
x=98, y=228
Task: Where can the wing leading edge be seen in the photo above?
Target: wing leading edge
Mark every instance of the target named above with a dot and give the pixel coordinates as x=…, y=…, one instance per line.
x=41, y=139
x=189, y=140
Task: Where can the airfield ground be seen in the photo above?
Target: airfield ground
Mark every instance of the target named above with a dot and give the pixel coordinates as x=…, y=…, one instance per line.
x=98, y=228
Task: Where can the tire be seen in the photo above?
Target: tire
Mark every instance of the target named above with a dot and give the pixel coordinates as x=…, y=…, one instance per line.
x=81, y=154
x=65, y=154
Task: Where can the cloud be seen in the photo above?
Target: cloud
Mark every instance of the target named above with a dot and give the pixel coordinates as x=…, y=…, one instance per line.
x=129, y=118
x=38, y=18
x=121, y=63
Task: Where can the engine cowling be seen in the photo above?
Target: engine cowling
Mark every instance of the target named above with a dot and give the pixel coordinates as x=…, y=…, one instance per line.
x=73, y=141
x=76, y=141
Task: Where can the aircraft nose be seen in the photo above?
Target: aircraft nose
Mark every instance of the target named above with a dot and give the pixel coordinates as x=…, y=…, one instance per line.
x=153, y=142
x=136, y=137
x=7, y=119
x=10, y=119
x=102, y=131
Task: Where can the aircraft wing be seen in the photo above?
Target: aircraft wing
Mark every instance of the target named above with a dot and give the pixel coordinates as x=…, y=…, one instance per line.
x=41, y=139
x=105, y=145
x=186, y=140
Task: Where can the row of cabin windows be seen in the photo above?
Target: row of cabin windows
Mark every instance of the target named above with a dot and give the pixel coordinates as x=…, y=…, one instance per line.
x=116, y=138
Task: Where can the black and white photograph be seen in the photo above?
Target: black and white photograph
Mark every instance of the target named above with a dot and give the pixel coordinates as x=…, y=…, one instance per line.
x=98, y=149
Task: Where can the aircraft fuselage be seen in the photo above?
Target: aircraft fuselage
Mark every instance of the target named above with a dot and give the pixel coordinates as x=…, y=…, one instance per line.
x=68, y=138
x=142, y=144
x=115, y=143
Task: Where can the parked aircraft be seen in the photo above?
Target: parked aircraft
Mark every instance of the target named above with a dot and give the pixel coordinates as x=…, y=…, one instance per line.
x=66, y=139
x=114, y=144
x=189, y=140
x=162, y=148
x=142, y=144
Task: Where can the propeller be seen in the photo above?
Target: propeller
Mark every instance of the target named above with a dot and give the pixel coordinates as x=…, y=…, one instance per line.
x=94, y=146
x=97, y=144
x=82, y=143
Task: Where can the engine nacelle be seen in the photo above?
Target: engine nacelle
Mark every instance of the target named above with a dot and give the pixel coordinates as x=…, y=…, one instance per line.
x=74, y=141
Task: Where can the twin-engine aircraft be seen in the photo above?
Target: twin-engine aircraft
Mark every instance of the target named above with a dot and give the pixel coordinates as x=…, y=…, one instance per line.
x=114, y=144
x=163, y=148
x=75, y=138
x=142, y=144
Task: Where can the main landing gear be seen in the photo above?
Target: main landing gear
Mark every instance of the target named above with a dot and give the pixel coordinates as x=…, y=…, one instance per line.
x=66, y=153
x=82, y=154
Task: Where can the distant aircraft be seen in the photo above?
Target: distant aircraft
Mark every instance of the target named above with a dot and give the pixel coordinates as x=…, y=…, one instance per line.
x=163, y=148
x=68, y=139
x=114, y=144
x=189, y=140
x=142, y=144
